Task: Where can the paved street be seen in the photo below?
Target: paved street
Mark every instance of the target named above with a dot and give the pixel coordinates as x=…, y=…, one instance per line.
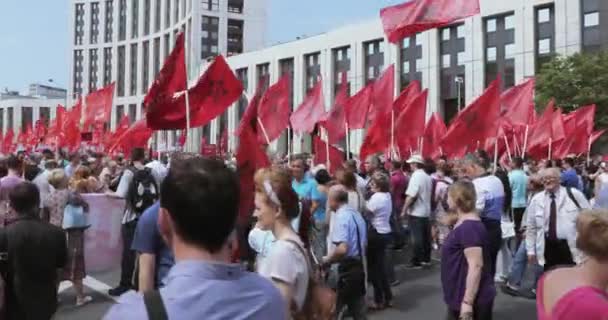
x=417, y=297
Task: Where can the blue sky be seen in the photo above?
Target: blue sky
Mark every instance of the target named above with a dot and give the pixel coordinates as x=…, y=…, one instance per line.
x=34, y=33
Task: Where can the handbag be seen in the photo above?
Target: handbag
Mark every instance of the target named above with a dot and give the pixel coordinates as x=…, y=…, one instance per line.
x=74, y=217
x=507, y=228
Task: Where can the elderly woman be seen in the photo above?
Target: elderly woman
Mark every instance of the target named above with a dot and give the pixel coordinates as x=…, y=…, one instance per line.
x=379, y=209
x=54, y=206
x=286, y=265
x=468, y=287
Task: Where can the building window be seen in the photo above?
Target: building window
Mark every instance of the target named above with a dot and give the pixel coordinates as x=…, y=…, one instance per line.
x=452, y=53
x=44, y=114
x=445, y=34
x=409, y=54
x=460, y=31
x=133, y=68
x=167, y=14
x=120, y=111
x=405, y=68
x=510, y=22
x=134, y=18
x=312, y=70
x=242, y=75
x=500, y=49
x=79, y=24
x=107, y=66
x=109, y=21
x=145, y=70
x=147, y=17
x=235, y=6
x=491, y=54
x=132, y=112
x=27, y=117
x=156, y=56
x=544, y=46
x=122, y=20
x=544, y=15
x=263, y=70
x=460, y=59
x=510, y=51
x=405, y=43
x=341, y=60
x=491, y=25
x=591, y=19
x=544, y=35
x=211, y=5
x=94, y=22
x=175, y=11
x=209, y=36
x=93, y=70
x=77, y=74
x=9, y=118
x=446, y=60
x=235, y=36
x=374, y=59
x=120, y=73
x=167, y=46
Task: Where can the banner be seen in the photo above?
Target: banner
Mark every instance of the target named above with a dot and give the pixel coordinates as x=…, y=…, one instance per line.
x=103, y=244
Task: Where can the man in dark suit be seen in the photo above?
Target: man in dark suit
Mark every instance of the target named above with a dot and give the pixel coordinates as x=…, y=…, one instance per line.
x=36, y=250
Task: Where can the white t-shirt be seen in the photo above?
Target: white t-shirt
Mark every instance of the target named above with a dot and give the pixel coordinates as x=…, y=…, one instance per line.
x=420, y=186
x=287, y=264
x=381, y=206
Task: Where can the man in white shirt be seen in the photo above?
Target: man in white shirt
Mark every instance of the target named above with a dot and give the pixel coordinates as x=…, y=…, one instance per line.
x=551, y=223
x=418, y=206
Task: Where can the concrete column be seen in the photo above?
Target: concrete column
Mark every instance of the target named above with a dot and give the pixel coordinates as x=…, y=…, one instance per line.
x=433, y=72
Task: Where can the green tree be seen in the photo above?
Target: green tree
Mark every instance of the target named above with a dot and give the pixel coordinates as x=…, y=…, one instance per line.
x=575, y=81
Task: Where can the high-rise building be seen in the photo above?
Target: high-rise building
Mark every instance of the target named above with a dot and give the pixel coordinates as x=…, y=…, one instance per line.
x=127, y=41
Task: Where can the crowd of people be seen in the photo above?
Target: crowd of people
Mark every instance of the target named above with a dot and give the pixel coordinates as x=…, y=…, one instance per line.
x=316, y=237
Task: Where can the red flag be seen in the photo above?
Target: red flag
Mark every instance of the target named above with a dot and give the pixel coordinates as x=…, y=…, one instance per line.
x=171, y=79
x=335, y=120
x=383, y=94
x=596, y=135
x=411, y=122
x=57, y=124
x=74, y=114
x=434, y=131
x=99, y=105
x=137, y=135
x=557, y=126
x=40, y=129
x=214, y=92
x=475, y=123
x=121, y=127
x=310, y=112
x=585, y=116
x=407, y=96
x=376, y=138
x=273, y=110
x=249, y=119
x=336, y=157
x=517, y=104
x=540, y=132
x=7, y=143
x=574, y=144
x=415, y=16
x=357, y=107
x=181, y=141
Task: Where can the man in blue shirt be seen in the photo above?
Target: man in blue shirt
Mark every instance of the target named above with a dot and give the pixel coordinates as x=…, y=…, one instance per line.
x=518, y=180
x=197, y=218
x=154, y=257
x=569, y=178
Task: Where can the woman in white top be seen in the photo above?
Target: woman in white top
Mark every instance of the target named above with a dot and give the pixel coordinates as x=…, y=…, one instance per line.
x=286, y=265
x=379, y=209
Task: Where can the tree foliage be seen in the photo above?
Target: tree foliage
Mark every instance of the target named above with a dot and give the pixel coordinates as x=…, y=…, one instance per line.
x=575, y=81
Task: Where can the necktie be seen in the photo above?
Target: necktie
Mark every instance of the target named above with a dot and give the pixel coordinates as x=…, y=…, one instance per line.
x=553, y=218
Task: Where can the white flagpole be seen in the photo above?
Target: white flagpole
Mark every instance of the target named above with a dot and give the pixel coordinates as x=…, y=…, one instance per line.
x=420, y=145
x=263, y=131
x=550, y=145
x=524, y=150
x=589, y=150
x=392, y=147
x=327, y=151
x=347, y=142
x=495, y=154
x=508, y=149
x=289, y=145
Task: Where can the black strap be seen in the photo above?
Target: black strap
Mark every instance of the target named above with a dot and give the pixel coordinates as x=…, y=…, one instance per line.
x=155, y=306
x=571, y=196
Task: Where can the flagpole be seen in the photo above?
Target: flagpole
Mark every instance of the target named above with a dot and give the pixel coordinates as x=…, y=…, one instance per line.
x=263, y=131
x=550, y=145
x=289, y=145
x=523, y=152
x=347, y=142
x=421, y=145
x=589, y=150
x=508, y=150
x=495, y=154
x=392, y=132
x=516, y=149
x=327, y=151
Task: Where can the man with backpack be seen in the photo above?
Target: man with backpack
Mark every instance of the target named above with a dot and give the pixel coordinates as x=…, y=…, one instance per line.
x=138, y=187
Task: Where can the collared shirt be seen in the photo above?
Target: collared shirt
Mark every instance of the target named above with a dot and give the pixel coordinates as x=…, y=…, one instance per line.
x=381, y=207
x=210, y=291
x=346, y=223
x=304, y=188
x=519, y=182
x=398, y=185
x=490, y=197
x=566, y=213
x=569, y=178
x=420, y=187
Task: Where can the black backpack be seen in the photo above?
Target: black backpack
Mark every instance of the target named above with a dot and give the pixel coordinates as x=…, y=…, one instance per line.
x=143, y=191
x=444, y=200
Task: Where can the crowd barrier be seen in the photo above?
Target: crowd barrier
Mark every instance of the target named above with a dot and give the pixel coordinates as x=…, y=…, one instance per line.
x=103, y=245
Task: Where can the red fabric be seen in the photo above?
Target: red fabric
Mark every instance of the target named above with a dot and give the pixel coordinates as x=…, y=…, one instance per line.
x=476, y=122
x=433, y=132
x=8, y=145
x=517, y=104
x=576, y=143
x=557, y=126
x=336, y=157
x=410, y=123
x=40, y=129
x=214, y=92
x=310, y=111
x=377, y=137
x=335, y=120
x=137, y=135
x=415, y=16
x=98, y=134
x=585, y=116
x=99, y=106
x=56, y=124
x=171, y=79
x=383, y=94
x=182, y=138
x=407, y=96
x=357, y=107
x=596, y=135
x=273, y=110
x=540, y=132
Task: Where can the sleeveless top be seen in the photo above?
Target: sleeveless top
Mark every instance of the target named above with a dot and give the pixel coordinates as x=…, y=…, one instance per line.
x=580, y=303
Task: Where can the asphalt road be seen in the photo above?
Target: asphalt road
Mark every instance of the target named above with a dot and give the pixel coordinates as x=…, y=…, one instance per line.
x=417, y=297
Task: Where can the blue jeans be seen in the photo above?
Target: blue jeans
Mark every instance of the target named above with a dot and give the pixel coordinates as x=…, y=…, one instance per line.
x=518, y=270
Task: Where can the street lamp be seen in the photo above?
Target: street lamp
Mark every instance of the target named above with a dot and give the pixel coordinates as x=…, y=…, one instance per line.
x=459, y=81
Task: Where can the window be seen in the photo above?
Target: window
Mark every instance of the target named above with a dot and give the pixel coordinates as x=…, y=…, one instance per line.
x=109, y=20
x=134, y=18
x=544, y=15
x=122, y=20
x=405, y=68
x=147, y=17
x=77, y=74
x=107, y=66
x=235, y=6
x=418, y=39
x=491, y=25
x=44, y=114
x=370, y=73
x=460, y=31
x=544, y=46
x=94, y=27
x=27, y=115
x=120, y=74
x=145, y=75
x=510, y=22
x=445, y=34
x=406, y=42
x=167, y=46
x=591, y=19
x=156, y=56
x=419, y=65
x=132, y=112
x=167, y=13
x=211, y=5
x=175, y=11
x=157, y=22
x=446, y=60
x=461, y=58
x=79, y=24
x=133, y=68
x=92, y=70
x=9, y=118
x=491, y=54
x=510, y=51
